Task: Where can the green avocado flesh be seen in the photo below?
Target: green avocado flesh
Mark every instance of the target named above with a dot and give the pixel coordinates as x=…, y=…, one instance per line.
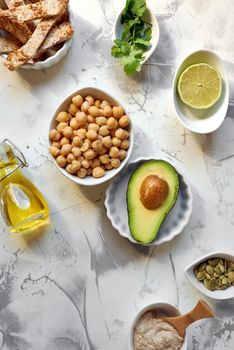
x=144, y=224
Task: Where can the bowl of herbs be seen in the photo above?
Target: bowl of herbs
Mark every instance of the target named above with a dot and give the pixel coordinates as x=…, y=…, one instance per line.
x=136, y=35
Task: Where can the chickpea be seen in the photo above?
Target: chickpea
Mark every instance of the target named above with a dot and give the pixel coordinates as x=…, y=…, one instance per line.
x=85, y=106
x=74, y=124
x=95, y=163
x=98, y=172
x=73, y=109
x=97, y=103
x=107, y=111
x=100, y=137
x=82, y=173
x=109, y=166
x=84, y=147
x=91, y=134
x=61, y=126
x=88, y=141
x=61, y=161
x=124, y=144
x=77, y=100
x=81, y=133
x=122, y=154
x=80, y=158
x=90, y=154
x=86, y=163
x=62, y=117
x=77, y=141
x=64, y=141
x=107, y=142
x=68, y=132
x=90, y=100
x=81, y=117
x=104, y=130
x=112, y=123
x=70, y=169
x=112, y=132
x=56, y=144
x=104, y=158
x=70, y=158
x=115, y=162
x=76, y=151
x=97, y=145
x=124, y=121
x=116, y=142
x=93, y=126
x=86, y=126
x=55, y=151
x=105, y=103
x=90, y=119
x=103, y=151
x=100, y=121
x=89, y=171
x=76, y=165
x=54, y=135
x=94, y=111
x=120, y=134
x=118, y=112
x=66, y=149
x=114, y=152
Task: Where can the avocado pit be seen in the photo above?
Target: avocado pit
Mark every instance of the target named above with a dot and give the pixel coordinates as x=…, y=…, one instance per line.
x=153, y=192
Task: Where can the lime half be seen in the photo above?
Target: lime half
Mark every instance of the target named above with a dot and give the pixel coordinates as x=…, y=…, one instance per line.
x=200, y=86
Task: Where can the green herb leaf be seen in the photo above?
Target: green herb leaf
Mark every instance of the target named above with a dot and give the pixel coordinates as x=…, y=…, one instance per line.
x=138, y=8
x=135, y=39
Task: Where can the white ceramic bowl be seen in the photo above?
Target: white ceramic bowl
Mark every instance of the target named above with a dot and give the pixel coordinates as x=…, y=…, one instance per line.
x=164, y=309
x=116, y=207
x=52, y=60
x=99, y=94
x=150, y=18
x=207, y=120
x=217, y=294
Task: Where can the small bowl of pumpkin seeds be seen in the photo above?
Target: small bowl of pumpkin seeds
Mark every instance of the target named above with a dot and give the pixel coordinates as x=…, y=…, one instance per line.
x=213, y=275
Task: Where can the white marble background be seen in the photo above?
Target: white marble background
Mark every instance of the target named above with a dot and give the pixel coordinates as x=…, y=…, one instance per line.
x=80, y=285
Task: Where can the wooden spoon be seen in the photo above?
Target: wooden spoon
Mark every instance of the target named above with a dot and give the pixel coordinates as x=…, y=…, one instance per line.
x=180, y=323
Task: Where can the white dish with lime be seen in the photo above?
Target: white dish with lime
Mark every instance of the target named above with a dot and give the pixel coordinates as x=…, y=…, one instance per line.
x=201, y=92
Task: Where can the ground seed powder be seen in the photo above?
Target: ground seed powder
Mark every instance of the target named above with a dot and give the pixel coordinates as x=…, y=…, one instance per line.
x=152, y=333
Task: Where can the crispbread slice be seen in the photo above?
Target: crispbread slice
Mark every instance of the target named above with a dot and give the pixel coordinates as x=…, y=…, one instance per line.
x=29, y=50
x=10, y=24
x=14, y=3
x=9, y=44
x=58, y=35
x=42, y=9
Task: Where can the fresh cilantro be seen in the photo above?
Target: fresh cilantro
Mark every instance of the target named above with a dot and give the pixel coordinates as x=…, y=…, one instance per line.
x=135, y=39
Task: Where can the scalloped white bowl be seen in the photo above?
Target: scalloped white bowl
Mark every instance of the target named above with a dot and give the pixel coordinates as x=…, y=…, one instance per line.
x=102, y=95
x=116, y=206
x=217, y=294
x=164, y=309
x=150, y=17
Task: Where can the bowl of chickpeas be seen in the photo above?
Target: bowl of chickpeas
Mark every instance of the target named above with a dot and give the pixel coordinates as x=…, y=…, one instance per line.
x=90, y=137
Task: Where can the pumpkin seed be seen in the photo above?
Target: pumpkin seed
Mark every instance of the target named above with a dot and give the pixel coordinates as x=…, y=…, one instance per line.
x=216, y=273
x=210, y=270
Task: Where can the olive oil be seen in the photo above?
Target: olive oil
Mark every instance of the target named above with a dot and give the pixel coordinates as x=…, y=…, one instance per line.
x=23, y=206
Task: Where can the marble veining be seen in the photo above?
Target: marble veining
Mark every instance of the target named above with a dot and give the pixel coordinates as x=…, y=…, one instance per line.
x=80, y=284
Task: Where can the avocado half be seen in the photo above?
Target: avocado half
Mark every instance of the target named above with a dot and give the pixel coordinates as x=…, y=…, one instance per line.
x=144, y=224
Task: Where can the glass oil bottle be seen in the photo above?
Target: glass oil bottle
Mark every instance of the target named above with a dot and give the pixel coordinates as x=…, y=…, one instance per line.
x=22, y=205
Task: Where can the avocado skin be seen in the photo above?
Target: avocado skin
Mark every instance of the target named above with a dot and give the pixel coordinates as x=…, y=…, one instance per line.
x=144, y=224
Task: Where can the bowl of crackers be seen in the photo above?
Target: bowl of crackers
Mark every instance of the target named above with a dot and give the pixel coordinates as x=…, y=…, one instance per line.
x=34, y=34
